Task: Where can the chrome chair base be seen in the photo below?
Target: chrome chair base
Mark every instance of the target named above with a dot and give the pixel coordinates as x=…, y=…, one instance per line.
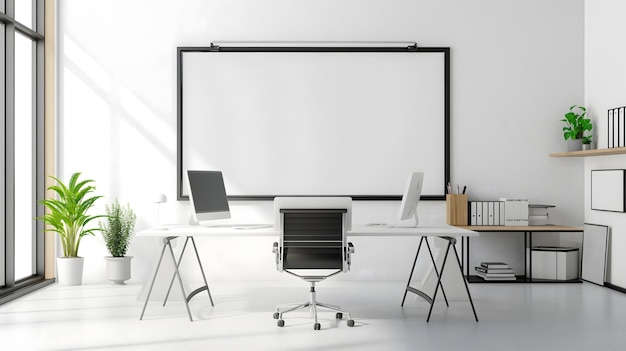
x=312, y=305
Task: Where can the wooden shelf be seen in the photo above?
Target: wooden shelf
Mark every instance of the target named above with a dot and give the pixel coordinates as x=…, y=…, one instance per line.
x=590, y=153
x=522, y=229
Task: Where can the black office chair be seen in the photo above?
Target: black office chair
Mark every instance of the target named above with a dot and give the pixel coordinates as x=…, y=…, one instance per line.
x=312, y=247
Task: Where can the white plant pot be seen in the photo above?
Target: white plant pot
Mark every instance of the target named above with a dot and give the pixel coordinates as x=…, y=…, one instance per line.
x=70, y=270
x=574, y=145
x=118, y=269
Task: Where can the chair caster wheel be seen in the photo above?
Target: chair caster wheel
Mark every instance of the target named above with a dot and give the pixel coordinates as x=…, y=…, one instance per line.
x=276, y=315
x=350, y=323
x=280, y=323
x=317, y=326
x=339, y=315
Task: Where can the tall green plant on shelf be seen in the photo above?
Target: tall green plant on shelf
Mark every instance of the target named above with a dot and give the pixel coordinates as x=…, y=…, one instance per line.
x=118, y=228
x=576, y=124
x=67, y=214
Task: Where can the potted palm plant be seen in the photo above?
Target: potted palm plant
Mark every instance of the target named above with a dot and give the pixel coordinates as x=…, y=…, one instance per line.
x=68, y=217
x=117, y=230
x=576, y=125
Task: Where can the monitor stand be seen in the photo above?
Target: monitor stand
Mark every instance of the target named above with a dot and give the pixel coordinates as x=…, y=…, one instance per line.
x=412, y=222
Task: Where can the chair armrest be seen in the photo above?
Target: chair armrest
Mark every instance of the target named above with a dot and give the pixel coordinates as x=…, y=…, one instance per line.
x=276, y=252
x=349, y=251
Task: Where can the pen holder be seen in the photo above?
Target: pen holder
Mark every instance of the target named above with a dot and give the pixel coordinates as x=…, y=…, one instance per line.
x=456, y=209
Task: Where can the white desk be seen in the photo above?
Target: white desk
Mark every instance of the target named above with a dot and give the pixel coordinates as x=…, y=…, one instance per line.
x=448, y=233
x=358, y=230
x=422, y=231
x=202, y=231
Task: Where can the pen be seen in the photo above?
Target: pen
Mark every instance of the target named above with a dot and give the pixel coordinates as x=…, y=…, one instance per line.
x=464, y=188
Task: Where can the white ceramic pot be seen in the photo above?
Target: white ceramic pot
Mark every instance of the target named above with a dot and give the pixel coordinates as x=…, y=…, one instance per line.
x=118, y=269
x=70, y=270
x=574, y=145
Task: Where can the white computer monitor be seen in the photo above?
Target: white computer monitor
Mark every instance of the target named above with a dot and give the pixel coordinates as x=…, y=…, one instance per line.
x=411, y=197
x=207, y=194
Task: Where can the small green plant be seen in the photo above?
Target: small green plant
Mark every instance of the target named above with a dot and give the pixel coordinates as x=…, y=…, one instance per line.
x=577, y=124
x=68, y=212
x=118, y=228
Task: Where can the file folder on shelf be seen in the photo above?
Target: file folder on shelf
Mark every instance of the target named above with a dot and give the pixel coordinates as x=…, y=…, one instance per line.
x=610, y=130
x=515, y=212
x=622, y=129
x=486, y=213
x=616, y=127
x=473, y=213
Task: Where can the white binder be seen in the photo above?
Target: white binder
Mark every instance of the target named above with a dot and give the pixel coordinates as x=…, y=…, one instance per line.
x=610, y=133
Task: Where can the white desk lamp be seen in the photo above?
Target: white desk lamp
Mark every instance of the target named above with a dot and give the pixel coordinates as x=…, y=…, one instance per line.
x=159, y=199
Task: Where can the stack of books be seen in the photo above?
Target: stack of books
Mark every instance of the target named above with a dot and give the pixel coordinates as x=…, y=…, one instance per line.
x=495, y=271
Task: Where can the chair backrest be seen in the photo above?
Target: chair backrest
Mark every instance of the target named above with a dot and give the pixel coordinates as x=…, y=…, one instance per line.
x=312, y=202
x=313, y=233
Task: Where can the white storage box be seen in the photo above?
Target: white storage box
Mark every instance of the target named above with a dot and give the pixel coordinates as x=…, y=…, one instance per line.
x=555, y=263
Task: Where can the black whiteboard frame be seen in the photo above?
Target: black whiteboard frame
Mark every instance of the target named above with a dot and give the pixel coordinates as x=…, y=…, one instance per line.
x=318, y=49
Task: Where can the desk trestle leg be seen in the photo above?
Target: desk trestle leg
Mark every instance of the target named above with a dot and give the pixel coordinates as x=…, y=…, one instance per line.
x=408, y=283
x=198, y=290
x=469, y=295
x=451, y=243
x=167, y=245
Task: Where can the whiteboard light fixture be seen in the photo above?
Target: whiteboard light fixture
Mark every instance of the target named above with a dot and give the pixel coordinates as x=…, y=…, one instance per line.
x=356, y=44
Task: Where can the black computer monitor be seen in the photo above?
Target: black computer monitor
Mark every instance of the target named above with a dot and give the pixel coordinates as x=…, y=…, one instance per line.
x=207, y=194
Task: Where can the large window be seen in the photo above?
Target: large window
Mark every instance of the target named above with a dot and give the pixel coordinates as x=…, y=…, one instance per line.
x=24, y=169
x=22, y=176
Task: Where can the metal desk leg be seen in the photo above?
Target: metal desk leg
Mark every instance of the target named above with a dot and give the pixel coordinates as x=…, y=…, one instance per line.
x=463, y=255
x=177, y=263
x=165, y=241
x=419, y=292
x=206, y=285
x=452, y=242
x=530, y=254
x=469, y=295
x=200, y=289
x=166, y=244
x=408, y=283
x=180, y=281
x=467, y=256
x=432, y=259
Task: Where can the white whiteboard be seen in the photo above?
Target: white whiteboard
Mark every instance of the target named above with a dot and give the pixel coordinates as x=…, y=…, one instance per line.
x=314, y=123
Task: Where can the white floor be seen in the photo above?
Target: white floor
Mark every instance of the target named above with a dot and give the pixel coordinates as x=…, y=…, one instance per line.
x=512, y=317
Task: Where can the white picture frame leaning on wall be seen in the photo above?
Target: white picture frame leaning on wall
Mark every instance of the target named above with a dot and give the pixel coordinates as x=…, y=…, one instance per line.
x=595, y=244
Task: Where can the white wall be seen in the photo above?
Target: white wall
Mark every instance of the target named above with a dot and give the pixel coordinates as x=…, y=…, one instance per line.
x=605, y=74
x=516, y=67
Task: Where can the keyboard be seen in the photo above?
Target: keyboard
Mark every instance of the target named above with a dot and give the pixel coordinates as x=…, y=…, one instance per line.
x=252, y=226
x=239, y=226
